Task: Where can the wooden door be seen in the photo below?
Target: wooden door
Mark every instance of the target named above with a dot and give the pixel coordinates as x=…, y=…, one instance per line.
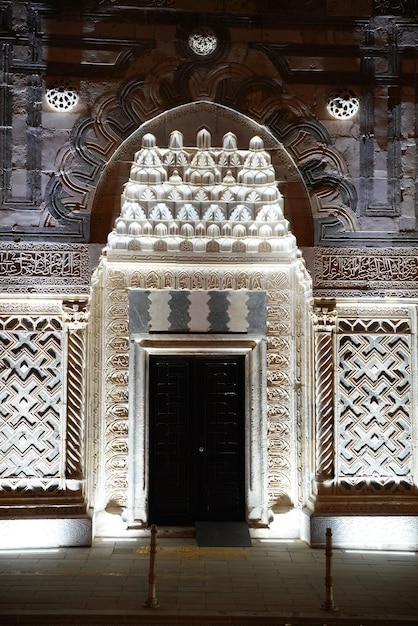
x=196, y=439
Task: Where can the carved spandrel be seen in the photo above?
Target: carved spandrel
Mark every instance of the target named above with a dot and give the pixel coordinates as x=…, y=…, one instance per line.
x=374, y=271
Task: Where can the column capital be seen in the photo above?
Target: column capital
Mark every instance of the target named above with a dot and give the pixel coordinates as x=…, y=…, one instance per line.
x=75, y=314
x=324, y=319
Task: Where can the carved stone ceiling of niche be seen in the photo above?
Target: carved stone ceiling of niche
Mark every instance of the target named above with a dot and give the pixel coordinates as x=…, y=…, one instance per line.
x=187, y=120
x=201, y=199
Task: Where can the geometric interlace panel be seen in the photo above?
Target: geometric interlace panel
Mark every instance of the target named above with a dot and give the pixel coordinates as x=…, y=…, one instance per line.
x=30, y=402
x=374, y=423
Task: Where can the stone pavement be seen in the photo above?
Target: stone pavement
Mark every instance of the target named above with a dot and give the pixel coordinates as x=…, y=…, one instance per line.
x=273, y=582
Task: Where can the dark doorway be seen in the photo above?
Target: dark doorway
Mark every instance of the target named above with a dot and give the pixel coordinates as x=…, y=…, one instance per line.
x=197, y=439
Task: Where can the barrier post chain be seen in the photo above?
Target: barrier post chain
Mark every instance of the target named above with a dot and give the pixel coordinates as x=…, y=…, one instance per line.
x=152, y=602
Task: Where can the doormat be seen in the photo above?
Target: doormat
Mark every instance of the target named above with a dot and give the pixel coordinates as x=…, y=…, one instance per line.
x=223, y=535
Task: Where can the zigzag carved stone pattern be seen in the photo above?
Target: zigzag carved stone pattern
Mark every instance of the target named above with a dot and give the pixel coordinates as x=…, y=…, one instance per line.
x=30, y=402
x=75, y=389
x=324, y=387
x=374, y=423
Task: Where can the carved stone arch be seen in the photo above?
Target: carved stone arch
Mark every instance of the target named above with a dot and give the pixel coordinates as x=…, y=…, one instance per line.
x=251, y=97
x=243, y=86
x=321, y=167
x=188, y=119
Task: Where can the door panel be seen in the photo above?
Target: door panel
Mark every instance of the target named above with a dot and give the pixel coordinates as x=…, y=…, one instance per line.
x=197, y=437
x=169, y=390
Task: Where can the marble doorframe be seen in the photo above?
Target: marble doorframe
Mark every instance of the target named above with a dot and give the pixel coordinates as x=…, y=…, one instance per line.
x=253, y=347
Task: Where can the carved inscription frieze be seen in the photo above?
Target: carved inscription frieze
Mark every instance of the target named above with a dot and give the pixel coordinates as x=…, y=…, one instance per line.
x=372, y=271
x=44, y=268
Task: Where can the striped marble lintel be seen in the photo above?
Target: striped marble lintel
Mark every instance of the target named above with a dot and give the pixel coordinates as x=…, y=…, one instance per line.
x=200, y=311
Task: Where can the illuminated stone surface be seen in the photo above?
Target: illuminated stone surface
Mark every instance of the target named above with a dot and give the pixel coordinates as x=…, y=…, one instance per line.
x=205, y=170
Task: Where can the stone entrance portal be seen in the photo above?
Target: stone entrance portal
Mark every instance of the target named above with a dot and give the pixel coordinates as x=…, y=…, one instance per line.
x=201, y=265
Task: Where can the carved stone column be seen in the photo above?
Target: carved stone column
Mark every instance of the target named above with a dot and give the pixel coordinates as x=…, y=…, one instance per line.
x=76, y=317
x=324, y=327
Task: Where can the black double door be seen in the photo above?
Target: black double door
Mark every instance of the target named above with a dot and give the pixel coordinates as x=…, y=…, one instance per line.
x=196, y=439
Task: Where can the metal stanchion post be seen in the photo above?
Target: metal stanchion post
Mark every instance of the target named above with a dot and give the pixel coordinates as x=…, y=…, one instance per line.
x=329, y=601
x=152, y=602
